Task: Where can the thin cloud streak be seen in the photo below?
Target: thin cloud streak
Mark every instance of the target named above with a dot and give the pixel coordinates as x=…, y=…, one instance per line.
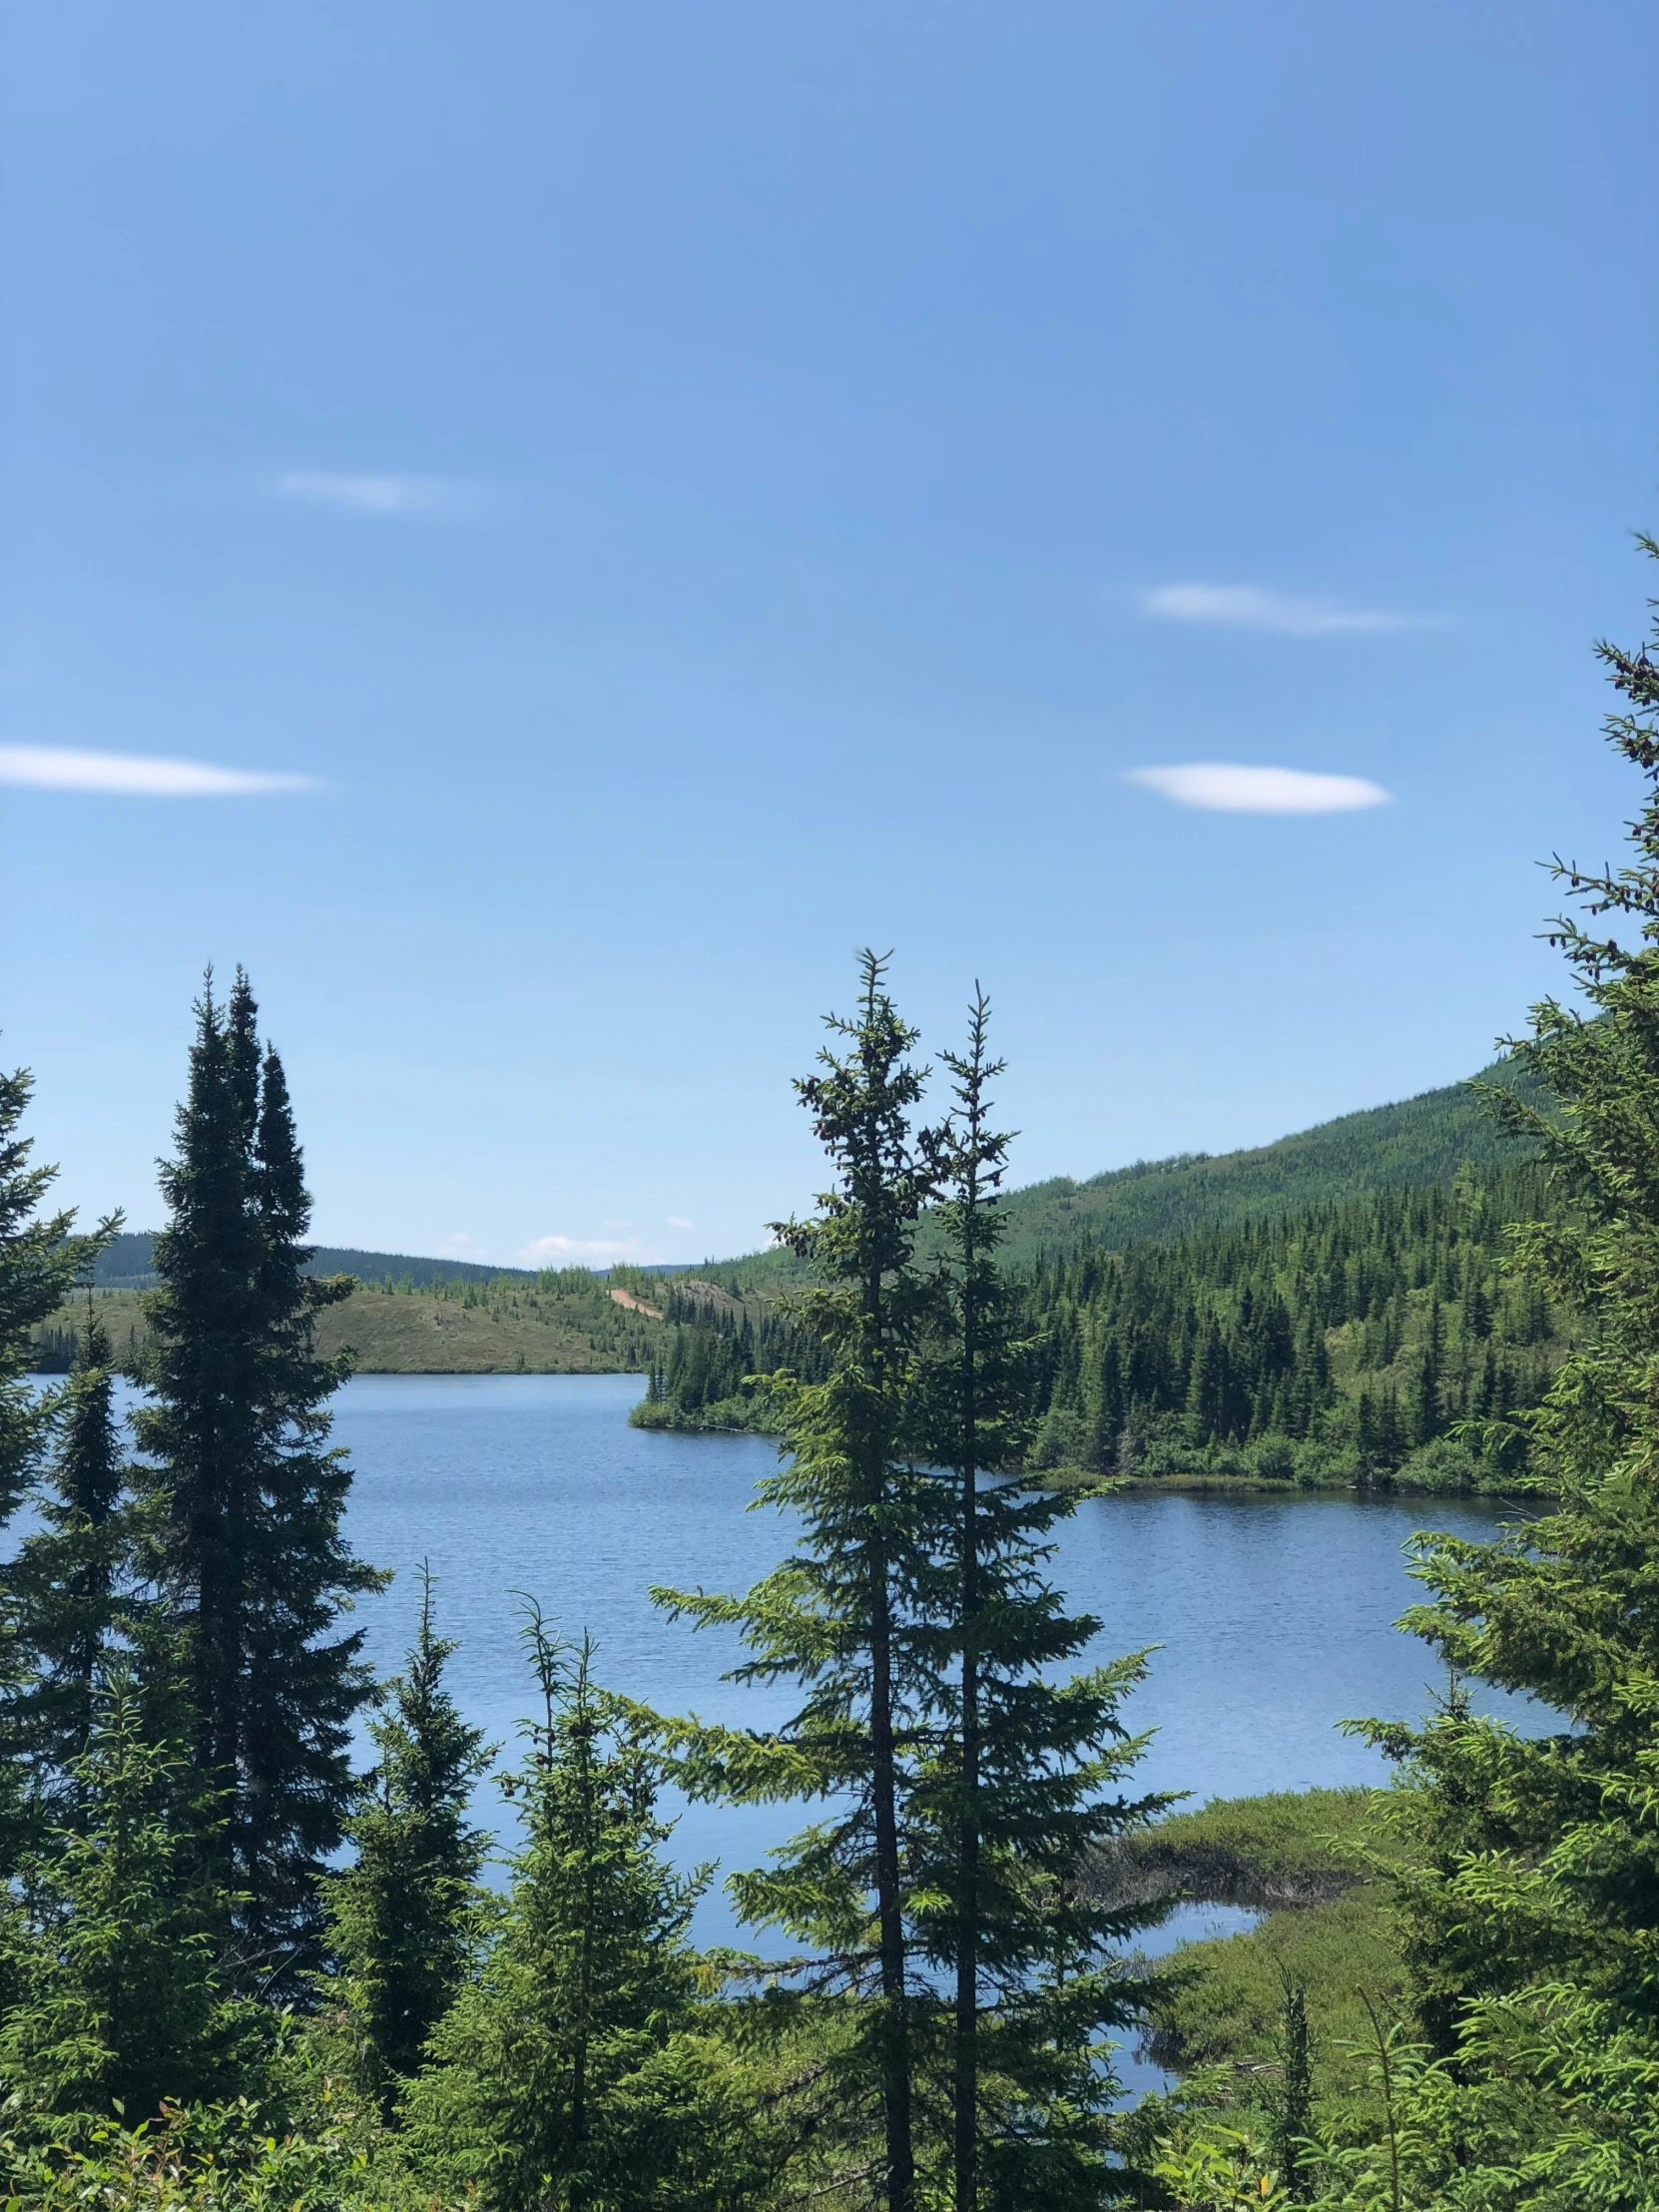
x=378, y=495
x=1222, y=786
x=55, y=768
x=581, y=1252
x=1247, y=607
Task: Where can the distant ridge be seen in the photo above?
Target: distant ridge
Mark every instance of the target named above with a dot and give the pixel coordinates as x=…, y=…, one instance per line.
x=129, y=1265
x=1426, y=1139
x=1419, y=1140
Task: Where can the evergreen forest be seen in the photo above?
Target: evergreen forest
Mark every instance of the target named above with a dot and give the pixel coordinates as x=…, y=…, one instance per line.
x=242, y=1966
x=1380, y=1341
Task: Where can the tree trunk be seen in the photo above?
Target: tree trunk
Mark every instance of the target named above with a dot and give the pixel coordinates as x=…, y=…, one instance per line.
x=967, y=1946
x=895, y=2055
x=966, y=2084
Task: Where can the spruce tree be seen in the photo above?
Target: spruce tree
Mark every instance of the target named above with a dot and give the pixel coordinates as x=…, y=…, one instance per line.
x=119, y=2003
x=1020, y=1785
x=836, y=1616
x=71, y=1583
x=248, y=1496
x=1292, y=2117
x=399, y=1918
x=568, y=2073
x=1530, y=1893
x=41, y=1257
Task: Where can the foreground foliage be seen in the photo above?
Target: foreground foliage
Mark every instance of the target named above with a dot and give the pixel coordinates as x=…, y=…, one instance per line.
x=1531, y=1890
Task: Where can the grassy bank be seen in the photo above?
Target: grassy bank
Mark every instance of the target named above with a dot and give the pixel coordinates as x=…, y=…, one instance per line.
x=567, y=1324
x=1296, y=1856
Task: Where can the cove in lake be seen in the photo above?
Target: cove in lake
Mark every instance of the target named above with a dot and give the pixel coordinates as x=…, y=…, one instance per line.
x=1275, y=1614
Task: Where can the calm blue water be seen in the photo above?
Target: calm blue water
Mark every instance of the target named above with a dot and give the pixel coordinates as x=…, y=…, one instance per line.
x=1273, y=1616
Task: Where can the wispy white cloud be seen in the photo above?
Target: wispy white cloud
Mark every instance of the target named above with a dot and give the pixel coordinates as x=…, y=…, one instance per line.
x=380, y=495
x=679, y=1221
x=58, y=768
x=1248, y=606
x=1226, y=788
x=583, y=1251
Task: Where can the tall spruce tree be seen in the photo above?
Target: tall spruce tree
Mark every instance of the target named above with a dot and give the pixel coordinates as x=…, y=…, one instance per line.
x=1021, y=1786
x=399, y=1917
x=71, y=1584
x=836, y=1616
x=1531, y=1890
x=247, y=1494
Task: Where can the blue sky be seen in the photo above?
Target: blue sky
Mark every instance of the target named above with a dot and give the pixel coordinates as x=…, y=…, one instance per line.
x=636, y=502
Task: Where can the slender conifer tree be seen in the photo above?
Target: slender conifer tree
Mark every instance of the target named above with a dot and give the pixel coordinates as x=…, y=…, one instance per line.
x=568, y=2072
x=248, y=1494
x=41, y=1259
x=398, y=1917
x=1022, y=1781
x=836, y=1616
x=71, y=1583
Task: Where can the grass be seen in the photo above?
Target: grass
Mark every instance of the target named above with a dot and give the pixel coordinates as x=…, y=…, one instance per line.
x=1290, y=1848
x=1226, y=2000
x=1297, y=1854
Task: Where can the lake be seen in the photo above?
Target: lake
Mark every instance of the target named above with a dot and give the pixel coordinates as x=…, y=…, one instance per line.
x=1275, y=1615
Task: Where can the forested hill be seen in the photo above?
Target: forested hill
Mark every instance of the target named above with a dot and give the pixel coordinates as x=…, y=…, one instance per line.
x=1329, y=1308
x=1419, y=1140
x=1347, y=1340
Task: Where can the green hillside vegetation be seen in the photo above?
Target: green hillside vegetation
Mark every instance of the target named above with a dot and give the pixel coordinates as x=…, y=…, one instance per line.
x=561, y=1322
x=723, y=1348
x=1417, y=1141
x=1346, y=1342
x=1422, y=1140
x=725, y=1325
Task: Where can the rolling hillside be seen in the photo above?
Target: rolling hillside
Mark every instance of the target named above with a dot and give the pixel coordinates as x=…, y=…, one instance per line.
x=1422, y=1140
